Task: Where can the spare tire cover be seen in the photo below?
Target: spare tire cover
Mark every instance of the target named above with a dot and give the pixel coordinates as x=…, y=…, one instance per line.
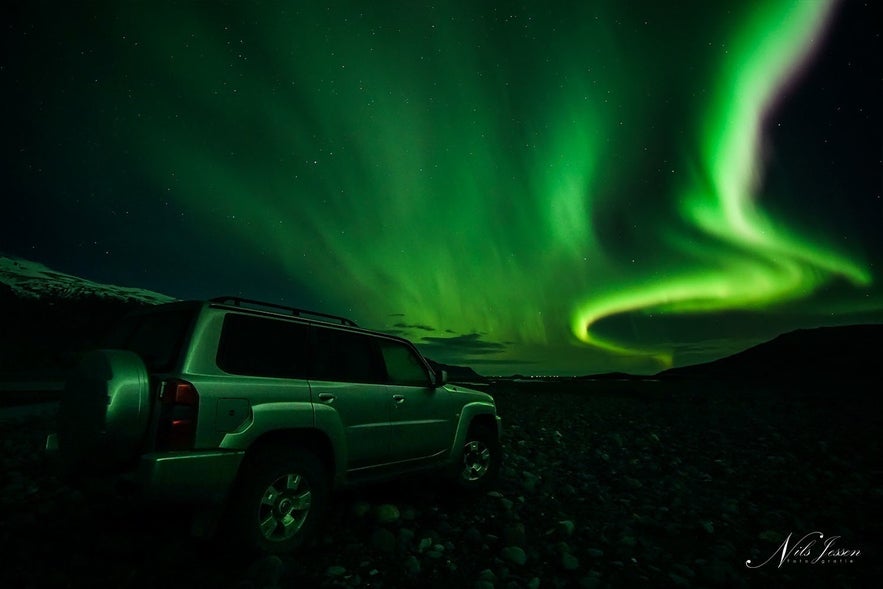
x=105, y=409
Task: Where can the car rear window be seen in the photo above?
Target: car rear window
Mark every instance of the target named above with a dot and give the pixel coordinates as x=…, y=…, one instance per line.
x=255, y=346
x=156, y=335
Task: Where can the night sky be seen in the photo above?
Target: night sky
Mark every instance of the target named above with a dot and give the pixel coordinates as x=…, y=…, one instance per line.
x=536, y=187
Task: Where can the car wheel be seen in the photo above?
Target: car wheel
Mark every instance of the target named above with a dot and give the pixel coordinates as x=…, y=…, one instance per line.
x=280, y=499
x=480, y=459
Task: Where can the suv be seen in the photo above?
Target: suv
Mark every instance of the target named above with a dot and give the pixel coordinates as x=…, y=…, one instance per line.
x=262, y=411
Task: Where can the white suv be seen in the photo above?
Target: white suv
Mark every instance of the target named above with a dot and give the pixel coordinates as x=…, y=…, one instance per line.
x=262, y=411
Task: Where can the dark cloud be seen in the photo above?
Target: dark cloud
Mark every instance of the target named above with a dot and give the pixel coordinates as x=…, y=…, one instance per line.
x=415, y=326
x=470, y=344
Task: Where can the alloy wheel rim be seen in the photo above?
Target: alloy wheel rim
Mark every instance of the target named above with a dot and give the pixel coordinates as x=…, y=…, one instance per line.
x=285, y=505
x=476, y=460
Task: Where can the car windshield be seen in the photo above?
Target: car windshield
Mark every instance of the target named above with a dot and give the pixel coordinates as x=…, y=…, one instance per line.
x=155, y=335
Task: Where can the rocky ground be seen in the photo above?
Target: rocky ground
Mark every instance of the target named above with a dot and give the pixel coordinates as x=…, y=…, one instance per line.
x=610, y=485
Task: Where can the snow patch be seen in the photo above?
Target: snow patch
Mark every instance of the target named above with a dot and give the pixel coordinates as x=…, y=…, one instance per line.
x=33, y=280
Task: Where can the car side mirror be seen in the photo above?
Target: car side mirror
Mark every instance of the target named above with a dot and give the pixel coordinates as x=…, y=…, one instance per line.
x=441, y=378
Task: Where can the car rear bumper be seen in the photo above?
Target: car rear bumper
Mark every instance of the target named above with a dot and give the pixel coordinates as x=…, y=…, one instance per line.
x=187, y=476
x=195, y=476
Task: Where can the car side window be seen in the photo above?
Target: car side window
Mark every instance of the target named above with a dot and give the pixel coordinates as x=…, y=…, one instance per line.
x=155, y=336
x=255, y=346
x=345, y=357
x=403, y=367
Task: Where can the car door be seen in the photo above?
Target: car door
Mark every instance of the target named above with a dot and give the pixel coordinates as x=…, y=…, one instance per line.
x=421, y=416
x=348, y=378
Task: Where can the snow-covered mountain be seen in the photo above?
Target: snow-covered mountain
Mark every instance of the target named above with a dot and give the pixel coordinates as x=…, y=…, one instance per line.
x=32, y=280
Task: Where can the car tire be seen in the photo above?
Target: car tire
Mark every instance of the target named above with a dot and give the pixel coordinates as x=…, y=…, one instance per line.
x=279, y=500
x=479, y=460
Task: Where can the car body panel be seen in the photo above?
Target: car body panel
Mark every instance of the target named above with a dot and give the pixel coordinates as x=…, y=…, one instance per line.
x=422, y=421
x=363, y=411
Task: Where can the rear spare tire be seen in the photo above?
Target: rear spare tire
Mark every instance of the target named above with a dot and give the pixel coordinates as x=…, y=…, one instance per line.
x=105, y=409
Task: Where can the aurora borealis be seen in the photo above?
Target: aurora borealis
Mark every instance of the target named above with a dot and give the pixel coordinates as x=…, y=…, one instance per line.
x=558, y=188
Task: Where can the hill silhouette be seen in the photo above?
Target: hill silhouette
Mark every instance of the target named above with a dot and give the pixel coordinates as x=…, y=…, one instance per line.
x=843, y=352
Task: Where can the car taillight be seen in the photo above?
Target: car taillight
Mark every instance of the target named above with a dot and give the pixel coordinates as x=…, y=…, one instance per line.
x=179, y=405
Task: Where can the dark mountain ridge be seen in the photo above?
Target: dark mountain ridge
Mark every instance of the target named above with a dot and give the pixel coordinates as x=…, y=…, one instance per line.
x=841, y=352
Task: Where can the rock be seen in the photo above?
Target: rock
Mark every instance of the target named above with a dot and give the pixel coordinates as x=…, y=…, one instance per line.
x=483, y=585
x=595, y=552
x=592, y=581
x=487, y=575
x=770, y=536
x=529, y=481
x=632, y=483
x=409, y=513
x=411, y=565
x=386, y=513
x=335, y=571
x=566, y=528
x=445, y=528
x=534, y=583
x=717, y=573
x=433, y=535
x=472, y=537
x=514, y=554
x=569, y=562
x=707, y=526
x=678, y=581
x=683, y=570
x=383, y=540
x=514, y=534
x=406, y=536
x=265, y=572
x=360, y=508
x=424, y=544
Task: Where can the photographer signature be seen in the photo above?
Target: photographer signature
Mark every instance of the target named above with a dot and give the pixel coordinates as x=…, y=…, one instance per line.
x=812, y=548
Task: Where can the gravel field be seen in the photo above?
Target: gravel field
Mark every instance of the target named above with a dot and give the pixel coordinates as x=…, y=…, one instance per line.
x=603, y=485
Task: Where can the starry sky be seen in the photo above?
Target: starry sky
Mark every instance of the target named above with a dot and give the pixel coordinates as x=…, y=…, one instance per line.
x=534, y=187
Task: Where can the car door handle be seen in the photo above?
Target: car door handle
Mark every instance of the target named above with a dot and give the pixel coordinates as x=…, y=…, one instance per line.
x=326, y=397
x=398, y=398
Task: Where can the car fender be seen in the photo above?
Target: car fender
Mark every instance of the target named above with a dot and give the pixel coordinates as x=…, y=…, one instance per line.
x=467, y=413
x=268, y=417
x=328, y=421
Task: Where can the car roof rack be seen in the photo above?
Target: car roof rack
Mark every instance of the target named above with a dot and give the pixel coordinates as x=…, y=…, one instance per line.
x=240, y=302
